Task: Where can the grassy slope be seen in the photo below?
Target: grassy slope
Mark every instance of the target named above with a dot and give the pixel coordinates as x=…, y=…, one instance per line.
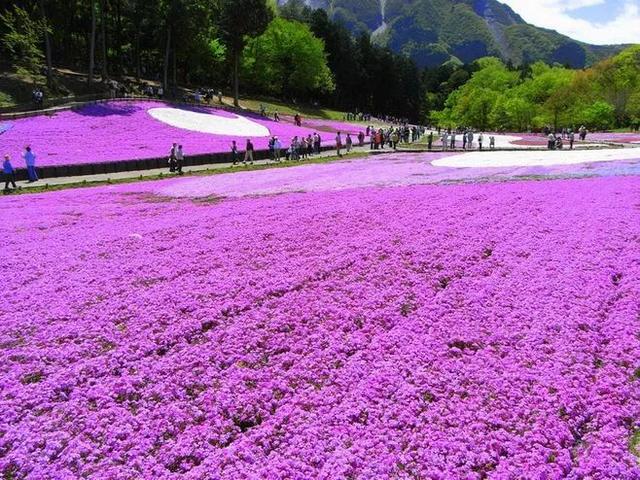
x=16, y=89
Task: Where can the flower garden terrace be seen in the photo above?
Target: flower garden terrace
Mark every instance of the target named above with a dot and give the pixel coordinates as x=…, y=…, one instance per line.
x=121, y=131
x=129, y=131
x=405, y=316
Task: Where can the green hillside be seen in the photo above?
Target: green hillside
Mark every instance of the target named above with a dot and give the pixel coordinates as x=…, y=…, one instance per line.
x=434, y=31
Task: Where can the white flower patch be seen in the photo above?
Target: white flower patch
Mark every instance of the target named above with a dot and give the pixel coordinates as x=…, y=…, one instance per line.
x=542, y=158
x=209, y=123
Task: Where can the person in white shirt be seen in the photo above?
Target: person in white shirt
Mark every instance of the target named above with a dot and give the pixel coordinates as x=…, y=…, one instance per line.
x=179, y=159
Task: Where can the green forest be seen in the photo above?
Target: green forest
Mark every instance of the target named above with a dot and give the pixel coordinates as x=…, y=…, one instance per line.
x=499, y=97
x=302, y=55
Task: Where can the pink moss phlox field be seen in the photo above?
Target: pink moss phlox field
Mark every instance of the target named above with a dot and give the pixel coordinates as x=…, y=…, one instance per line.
x=118, y=131
x=381, y=170
x=441, y=332
x=330, y=126
x=614, y=137
x=529, y=139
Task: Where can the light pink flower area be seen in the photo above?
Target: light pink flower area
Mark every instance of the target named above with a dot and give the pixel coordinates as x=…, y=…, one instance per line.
x=330, y=126
x=118, y=131
x=614, y=137
x=442, y=332
x=529, y=139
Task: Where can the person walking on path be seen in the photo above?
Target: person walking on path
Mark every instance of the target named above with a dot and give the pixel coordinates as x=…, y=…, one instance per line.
x=339, y=144
x=572, y=139
x=30, y=161
x=9, y=173
x=492, y=142
x=395, y=139
x=179, y=159
x=361, y=139
x=445, y=139
x=272, y=149
x=430, y=140
x=470, y=140
x=349, y=142
x=234, y=152
x=248, y=154
x=453, y=141
x=277, y=146
x=464, y=140
x=172, y=157
x=480, y=140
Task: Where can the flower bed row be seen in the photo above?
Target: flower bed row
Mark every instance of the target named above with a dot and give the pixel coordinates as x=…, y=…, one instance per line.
x=124, y=131
x=476, y=331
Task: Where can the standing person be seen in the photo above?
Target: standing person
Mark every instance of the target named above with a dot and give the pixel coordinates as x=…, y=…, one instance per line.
x=310, y=145
x=172, y=158
x=492, y=142
x=464, y=140
x=430, y=140
x=179, y=159
x=276, y=116
x=470, y=140
x=30, y=161
x=248, y=154
x=277, y=146
x=445, y=139
x=480, y=140
x=551, y=144
x=453, y=141
x=339, y=143
x=272, y=147
x=572, y=139
x=9, y=173
x=234, y=152
x=317, y=142
x=361, y=139
x=395, y=139
x=349, y=142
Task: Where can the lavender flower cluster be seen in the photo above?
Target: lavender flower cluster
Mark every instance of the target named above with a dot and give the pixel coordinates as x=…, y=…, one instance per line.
x=468, y=332
x=118, y=131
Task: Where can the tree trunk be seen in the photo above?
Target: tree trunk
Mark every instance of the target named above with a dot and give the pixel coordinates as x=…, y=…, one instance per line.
x=120, y=66
x=236, y=80
x=165, y=82
x=92, y=43
x=138, y=57
x=47, y=43
x=103, y=34
x=175, y=70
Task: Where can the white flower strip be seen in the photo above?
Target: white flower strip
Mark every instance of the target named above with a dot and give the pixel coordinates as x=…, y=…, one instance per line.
x=541, y=158
x=208, y=123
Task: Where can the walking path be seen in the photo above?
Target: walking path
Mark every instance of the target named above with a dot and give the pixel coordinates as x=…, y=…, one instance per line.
x=141, y=174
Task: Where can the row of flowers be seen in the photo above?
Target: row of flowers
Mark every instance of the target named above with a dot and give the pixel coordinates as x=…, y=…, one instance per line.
x=118, y=131
x=475, y=331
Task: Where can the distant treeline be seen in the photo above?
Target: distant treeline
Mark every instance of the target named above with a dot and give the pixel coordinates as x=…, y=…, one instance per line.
x=293, y=52
x=500, y=97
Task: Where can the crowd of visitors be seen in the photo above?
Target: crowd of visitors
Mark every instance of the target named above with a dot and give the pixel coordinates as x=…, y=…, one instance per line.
x=392, y=136
x=556, y=140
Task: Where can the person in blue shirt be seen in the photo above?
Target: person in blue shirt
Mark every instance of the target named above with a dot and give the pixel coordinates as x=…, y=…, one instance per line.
x=30, y=160
x=9, y=173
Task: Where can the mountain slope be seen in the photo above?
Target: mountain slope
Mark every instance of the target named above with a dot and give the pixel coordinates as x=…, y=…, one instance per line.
x=435, y=31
